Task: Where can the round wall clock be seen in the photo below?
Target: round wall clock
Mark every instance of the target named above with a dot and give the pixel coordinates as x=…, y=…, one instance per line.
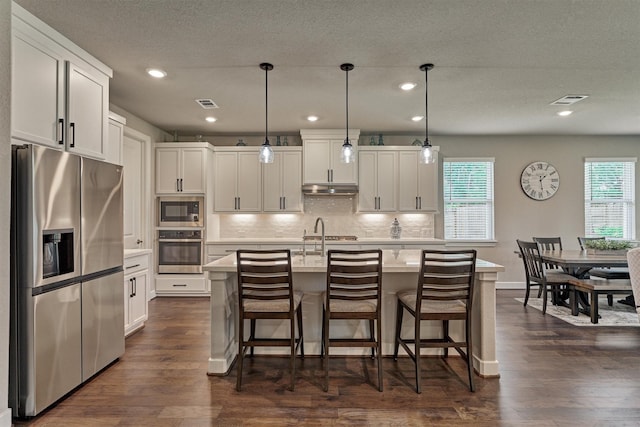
x=540, y=180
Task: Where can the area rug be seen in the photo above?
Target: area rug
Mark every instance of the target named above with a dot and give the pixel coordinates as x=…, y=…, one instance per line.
x=617, y=315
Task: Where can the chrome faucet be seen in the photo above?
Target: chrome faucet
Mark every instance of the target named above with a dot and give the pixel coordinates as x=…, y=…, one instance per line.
x=315, y=230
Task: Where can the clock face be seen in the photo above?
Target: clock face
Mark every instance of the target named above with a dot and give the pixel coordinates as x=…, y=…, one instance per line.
x=540, y=180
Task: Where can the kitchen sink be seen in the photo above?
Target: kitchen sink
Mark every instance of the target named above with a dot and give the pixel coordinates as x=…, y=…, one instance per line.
x=334, y=238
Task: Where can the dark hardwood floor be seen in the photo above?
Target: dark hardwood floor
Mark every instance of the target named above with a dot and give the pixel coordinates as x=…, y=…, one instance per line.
x=552, y=374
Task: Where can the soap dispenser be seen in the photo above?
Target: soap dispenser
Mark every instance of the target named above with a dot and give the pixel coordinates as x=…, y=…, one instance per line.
x=395, y=230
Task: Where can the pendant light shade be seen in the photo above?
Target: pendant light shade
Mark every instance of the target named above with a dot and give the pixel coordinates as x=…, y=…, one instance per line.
x=347, y=155
x=426, y=154
x=266, y=152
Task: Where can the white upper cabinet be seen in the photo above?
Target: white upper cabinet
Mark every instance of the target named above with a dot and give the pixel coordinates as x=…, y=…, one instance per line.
x=114, y=148
x=282, y=181
x=322, y=149
x=60, y=94
x=237, y=180
x=180, y=168
x=417, y=183
x=378, y=180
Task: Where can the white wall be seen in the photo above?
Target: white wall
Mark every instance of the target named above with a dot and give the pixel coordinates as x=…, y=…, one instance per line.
x=5, y=194
x=517, y=216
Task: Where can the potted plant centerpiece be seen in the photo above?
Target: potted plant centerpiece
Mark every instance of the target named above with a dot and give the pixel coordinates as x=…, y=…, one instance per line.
x=608, y=247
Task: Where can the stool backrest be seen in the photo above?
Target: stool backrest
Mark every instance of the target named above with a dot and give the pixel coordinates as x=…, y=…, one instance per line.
x=354, y=275
x=265, y=275
x=446, y=276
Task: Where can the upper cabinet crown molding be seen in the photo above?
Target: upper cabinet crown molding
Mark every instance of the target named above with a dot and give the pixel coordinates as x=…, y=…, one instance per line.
x=20, y=15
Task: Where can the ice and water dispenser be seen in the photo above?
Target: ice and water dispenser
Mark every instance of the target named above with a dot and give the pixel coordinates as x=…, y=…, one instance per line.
x=57, y=252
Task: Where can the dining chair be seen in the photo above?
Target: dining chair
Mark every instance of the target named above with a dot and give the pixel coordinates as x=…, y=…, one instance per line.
x=265, y=291
x=633, y=259
x=537, y=274
x=444, y=292
x=353, y=292
x=549, y=243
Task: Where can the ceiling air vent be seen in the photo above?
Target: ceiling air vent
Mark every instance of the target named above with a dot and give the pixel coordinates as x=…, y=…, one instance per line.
x=207, y=104
x=569, y=99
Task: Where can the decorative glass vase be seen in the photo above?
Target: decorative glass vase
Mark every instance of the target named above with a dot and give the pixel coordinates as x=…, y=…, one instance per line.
x=396, y=230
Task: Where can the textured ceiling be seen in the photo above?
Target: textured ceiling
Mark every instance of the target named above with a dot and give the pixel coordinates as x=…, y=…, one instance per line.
x=498, y=63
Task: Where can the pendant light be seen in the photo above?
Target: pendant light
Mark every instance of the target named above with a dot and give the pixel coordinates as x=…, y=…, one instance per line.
x=347, y=155
x=426, y=155
x=266, y=152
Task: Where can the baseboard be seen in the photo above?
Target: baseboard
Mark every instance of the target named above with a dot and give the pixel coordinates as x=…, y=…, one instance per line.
x=510, y=285
x=5, y=418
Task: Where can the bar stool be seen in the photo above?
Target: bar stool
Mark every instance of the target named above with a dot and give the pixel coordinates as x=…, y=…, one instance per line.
x=265, y=291
x=354, y=282
x=444, y=292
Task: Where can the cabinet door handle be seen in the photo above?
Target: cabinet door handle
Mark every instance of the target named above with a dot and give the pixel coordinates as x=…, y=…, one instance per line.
x=177, y=185
x=139, y=241
x=131, y=288
x=135, y=287
x=181, y=186
x=284, y=203
x=420, y=200
x=73, y=134
x=331, y=180
x=417, y=202
x=61, y=131
x=328, y=175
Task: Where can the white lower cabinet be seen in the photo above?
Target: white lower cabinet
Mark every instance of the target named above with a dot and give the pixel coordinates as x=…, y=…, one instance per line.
x=181, y=284
x=136, y=279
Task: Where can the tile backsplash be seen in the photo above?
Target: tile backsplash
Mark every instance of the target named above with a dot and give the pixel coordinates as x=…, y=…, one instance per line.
x=339, y=216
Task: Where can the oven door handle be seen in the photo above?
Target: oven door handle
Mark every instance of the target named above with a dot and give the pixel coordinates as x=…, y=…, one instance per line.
x=180, y=240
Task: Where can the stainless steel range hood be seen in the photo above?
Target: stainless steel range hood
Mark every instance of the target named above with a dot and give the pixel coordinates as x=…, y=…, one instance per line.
x=329, y=189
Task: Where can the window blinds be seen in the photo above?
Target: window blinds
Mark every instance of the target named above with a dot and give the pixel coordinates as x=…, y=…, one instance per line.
x=468, y=199
x=609, y=198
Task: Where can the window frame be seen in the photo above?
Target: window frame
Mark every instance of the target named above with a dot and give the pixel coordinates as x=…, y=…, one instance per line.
x=628, y=222
x=488, y=200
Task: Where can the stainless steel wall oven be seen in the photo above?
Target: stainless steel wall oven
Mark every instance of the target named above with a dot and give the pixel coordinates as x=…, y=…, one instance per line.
x=180, y=251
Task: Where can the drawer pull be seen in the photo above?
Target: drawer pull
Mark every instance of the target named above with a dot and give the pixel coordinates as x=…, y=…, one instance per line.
x=132, y=266
x=179, y=285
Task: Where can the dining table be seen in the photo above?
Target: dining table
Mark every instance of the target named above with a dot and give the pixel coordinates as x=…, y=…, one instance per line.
x=578, y=263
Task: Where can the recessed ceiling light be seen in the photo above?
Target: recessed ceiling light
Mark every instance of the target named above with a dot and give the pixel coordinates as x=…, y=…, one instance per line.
x=312, y=118
x=564, y=113
x=408, y=86
x=156, y=72
x=417, y=118
x=211, y=119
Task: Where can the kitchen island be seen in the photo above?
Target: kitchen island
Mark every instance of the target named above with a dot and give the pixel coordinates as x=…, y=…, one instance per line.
x=400, y=270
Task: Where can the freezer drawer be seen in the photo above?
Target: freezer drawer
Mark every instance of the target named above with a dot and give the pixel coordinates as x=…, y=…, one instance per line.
x=102, y=322
x=57, y=355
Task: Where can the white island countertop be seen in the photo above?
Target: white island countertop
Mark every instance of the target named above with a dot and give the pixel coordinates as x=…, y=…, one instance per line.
x=393, y=261
x=298, y=241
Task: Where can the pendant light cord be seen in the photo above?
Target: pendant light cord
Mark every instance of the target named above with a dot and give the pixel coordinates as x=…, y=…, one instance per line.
x=426, y=105
x=426, y=68
x=347, y=105
x=266, y=104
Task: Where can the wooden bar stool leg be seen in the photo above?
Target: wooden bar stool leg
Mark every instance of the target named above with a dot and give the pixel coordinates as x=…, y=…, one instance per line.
x=371, y=335
x=445, y=335
x=399, y=313
x=300, y=333
x=379, y=354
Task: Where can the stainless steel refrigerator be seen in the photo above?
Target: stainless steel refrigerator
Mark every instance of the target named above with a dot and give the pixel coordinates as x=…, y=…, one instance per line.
x=67, y=304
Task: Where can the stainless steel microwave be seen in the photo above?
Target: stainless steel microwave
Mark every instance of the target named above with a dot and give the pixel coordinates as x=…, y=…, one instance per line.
x=180, y=211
